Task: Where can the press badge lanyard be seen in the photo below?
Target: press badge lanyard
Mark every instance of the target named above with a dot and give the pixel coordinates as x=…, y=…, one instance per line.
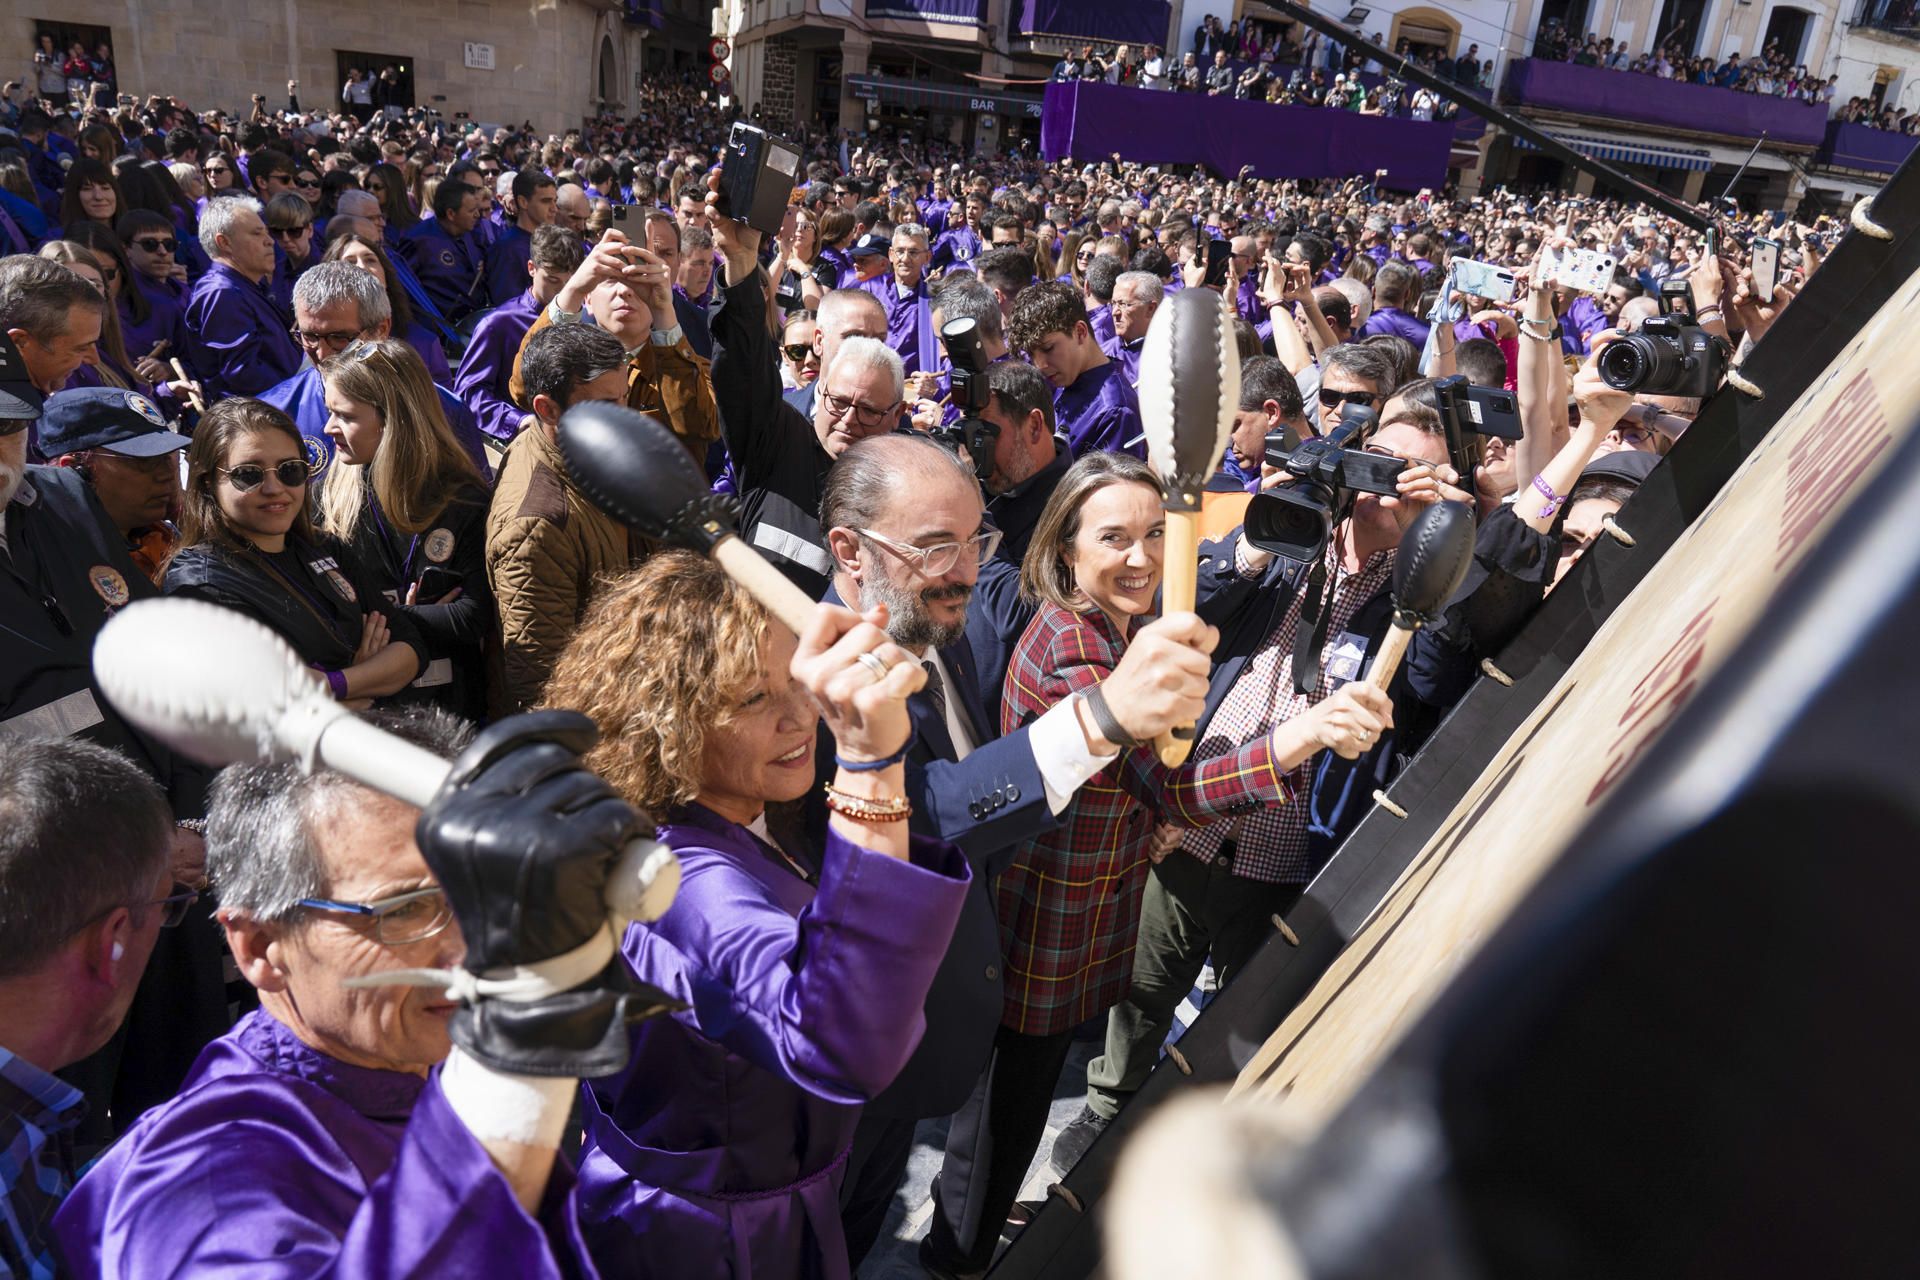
x=405, y=573
x=321, y=614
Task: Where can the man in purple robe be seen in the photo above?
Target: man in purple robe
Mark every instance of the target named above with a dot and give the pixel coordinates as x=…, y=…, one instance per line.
x=959, y=246
x=487, y=367
x=1137, y=295
x=321, y=1135
x=152, y=249
x=903, y=292
x=1396, y=287
x=239, y=341
x=1094, y=407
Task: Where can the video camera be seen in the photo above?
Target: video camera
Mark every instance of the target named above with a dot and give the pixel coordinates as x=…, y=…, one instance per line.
x=1295, y=520
x=969, y=392
x=1671, y=355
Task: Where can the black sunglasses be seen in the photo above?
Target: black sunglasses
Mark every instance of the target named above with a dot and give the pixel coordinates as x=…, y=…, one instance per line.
x=1334, y=399
x=798, y=352
x=248, y=476
x=157, y=245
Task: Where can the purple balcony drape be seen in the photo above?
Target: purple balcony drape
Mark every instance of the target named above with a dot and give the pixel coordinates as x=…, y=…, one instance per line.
x=1135, y=22
x=971, y=13
x=1856, y=146
x=1644, y=99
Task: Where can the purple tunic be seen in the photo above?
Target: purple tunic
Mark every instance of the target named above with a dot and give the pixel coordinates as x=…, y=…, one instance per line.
x=166, y=310
x=487, y=367
x=239, y=341
x=1100, y=411
x=1100, y=322
x=718, y=1153
x=909, y=322
x=1584, y=318
x=278, y=1161
x=1402, y=324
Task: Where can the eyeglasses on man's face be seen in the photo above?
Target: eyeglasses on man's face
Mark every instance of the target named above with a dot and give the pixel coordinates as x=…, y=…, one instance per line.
x=413, y=916
x=866, y=415
x=940, y=558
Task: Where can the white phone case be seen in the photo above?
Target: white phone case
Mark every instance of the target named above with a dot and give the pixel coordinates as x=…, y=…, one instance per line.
x=1586, y=270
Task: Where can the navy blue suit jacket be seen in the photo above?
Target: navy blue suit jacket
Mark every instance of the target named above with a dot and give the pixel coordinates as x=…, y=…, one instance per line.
x=987, y=805
x=801, y=398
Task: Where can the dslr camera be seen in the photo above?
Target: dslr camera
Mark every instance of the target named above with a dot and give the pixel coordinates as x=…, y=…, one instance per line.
x=968, y=389
x=1671, y=355
x=1294, y=521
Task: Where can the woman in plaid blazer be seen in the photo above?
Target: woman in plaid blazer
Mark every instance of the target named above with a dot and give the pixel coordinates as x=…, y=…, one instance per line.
x=1069, y=903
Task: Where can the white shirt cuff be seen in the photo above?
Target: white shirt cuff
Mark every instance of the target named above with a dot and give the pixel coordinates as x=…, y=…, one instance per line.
x=1060, y=751
x=667, y=337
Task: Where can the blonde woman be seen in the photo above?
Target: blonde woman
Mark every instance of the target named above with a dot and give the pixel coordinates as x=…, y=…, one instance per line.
x=407, y=500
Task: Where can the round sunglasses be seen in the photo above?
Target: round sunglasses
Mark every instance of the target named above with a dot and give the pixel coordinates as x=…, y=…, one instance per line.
x=248, y=476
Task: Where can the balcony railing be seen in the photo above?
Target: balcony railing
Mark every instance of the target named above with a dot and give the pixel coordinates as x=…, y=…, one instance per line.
x=1895, y=17
x=1630, y=96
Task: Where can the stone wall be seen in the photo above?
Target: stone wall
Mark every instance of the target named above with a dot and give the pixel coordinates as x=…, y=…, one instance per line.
x=777, y=81
x=218, y=52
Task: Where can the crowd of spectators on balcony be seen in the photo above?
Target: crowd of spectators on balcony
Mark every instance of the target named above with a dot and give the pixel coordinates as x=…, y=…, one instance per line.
x=1772, y=72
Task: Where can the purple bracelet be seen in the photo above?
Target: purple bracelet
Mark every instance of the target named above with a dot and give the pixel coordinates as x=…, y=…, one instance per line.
x=338, y=683
x=1545, y=490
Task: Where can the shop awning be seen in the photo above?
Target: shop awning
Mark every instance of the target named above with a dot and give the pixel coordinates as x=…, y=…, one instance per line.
x=1624, y=152
x=941, y=97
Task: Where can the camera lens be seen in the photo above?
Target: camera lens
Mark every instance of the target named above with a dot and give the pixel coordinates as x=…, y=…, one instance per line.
x=1626, y=365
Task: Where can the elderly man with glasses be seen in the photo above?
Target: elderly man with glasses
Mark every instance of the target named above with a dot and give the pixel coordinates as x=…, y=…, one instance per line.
x=323, y=1132
x=335, y=305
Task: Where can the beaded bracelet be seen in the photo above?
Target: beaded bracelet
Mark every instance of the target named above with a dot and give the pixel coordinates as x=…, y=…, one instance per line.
x=865, y=809
x=870, y=766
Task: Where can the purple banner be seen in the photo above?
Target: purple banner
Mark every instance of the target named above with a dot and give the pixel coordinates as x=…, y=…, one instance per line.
x=1135, y=22
x=969, y=13
x=1088, y=121
x=1856, y=146
x=1675, y=104
x=646, y=13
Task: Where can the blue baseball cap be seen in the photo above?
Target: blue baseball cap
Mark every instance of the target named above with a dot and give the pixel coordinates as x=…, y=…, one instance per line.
x=123, y=422
x=871, y=243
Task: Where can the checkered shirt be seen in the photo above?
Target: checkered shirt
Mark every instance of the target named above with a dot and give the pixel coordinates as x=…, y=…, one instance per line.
x=38, y=1113
x=1069, y=903
x=1271, y=845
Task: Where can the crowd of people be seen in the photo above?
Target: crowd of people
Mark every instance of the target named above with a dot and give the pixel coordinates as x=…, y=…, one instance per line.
x=313, y=368
x=1773, y=72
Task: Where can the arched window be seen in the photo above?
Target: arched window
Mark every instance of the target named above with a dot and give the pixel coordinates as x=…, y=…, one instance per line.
x=1425, y=29
x=609, y=73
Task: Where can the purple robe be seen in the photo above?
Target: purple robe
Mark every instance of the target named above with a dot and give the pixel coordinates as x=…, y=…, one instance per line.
x=1100, y=411
x=957, y=246
x=909, y=322
x=1100, y=322
x=718, y=1153
x=277, y=1161
x=1402, y=324
x=239, y=341
x=166, y=311
x=487, y=366
x=1584, y=318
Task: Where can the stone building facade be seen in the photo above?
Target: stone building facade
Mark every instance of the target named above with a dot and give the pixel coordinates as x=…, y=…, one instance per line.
x=551, y=62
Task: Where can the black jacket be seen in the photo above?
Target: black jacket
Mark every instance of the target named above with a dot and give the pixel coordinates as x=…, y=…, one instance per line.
x=318, y=606
x=66, y=570
x=451, y=553
x=779, y=468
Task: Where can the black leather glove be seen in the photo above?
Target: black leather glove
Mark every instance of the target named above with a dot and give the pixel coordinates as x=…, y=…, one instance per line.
x=522, y=838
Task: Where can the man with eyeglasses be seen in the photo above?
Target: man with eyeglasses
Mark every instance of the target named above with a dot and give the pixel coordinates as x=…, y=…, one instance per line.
x=843, y=314
x=906, y=528
x=1349, y=374
x=903, y=292
x=86, y=885
x=364, y=1093
x=335, y=305
x=1137, y=296
x=118, y=442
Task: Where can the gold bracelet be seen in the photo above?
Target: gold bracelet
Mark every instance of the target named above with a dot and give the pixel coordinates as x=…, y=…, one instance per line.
x=864, y=809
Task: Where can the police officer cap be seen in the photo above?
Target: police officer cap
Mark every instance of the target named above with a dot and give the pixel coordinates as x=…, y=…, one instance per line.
x=19, y=398
x=871, y=243
x=1631, y=466
x=125, y=422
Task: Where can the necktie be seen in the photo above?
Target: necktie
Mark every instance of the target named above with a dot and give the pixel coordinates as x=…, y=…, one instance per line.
x=936, y=691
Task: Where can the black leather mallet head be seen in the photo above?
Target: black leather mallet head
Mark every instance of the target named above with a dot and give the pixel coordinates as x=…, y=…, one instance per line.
x=1435, y=553
x=638, y=472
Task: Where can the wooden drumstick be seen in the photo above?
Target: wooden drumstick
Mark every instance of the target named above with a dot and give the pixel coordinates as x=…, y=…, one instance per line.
x=1189, y=394
x=193, y=396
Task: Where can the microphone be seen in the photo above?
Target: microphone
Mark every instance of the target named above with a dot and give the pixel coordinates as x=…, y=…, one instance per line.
x=223, y=689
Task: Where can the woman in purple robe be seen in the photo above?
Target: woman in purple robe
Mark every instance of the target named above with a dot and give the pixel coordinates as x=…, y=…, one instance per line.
x=718, y=1152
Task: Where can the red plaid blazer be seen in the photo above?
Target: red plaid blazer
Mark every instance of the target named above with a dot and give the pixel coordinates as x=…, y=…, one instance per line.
x=1069, y=903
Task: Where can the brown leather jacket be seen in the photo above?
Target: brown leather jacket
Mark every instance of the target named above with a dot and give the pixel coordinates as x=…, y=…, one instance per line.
x=670, y=383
